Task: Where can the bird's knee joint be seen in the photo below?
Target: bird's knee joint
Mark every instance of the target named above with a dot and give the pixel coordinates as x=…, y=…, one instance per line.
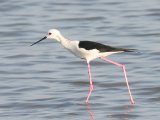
x=91, y=87
x=123, y=65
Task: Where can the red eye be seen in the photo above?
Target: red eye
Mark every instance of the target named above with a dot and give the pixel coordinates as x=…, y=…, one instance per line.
x=49, y=33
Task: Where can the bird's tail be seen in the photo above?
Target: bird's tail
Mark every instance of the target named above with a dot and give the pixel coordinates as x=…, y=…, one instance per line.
x=125, y=50
x=129, y=50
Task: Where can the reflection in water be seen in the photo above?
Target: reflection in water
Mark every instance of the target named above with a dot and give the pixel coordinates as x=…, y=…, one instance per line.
x=88, y=108
x=124, y=114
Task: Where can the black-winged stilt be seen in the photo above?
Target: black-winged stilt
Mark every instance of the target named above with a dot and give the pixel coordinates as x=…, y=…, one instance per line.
x=89, y=50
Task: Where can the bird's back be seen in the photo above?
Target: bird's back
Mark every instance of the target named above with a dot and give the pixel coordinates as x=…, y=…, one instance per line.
x=90, y=45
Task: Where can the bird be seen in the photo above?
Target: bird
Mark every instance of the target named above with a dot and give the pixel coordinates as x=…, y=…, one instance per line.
x=89, y=50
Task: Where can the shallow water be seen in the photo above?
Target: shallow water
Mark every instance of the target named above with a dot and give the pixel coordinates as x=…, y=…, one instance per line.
x=46, y=82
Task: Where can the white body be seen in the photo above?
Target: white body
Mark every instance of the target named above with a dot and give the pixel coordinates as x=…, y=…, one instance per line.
x=85, y=54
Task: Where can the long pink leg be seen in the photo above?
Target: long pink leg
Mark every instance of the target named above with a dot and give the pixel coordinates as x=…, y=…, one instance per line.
x=90, y=81
x=125, y=75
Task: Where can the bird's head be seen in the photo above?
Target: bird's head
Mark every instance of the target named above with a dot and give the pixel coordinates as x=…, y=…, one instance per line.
x=52, y=34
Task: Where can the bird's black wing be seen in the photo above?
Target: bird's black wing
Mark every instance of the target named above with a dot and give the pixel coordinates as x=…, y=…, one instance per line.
x=89, y=45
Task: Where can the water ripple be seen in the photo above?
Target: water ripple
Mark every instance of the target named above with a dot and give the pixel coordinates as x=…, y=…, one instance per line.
x=46, y=82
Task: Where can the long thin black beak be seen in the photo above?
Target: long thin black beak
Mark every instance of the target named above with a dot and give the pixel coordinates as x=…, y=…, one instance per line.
x=39, y=40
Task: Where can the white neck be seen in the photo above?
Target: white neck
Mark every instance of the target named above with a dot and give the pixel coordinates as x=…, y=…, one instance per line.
x=65, y=42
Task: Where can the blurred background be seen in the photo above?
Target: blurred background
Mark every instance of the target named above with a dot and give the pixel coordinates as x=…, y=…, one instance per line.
x=46, y=82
